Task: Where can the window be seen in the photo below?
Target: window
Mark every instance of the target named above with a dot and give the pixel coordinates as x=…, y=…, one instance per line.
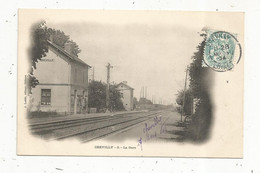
x=46, y=97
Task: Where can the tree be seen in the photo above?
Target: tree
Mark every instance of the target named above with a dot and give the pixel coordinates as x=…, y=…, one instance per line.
x=115, y=103
x=60, y=38
x=40, y=34
x=135, y=102
x=38, y=49
x=97, y=97
x=143, y=100
x=199, y=87
x=196, y=71
x=187, y=104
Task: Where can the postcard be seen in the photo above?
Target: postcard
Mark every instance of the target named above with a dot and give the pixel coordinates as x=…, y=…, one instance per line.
x=130, y=83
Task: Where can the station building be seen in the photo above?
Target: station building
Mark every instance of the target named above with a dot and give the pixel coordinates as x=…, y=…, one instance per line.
x=127, y=94
x=63, y=82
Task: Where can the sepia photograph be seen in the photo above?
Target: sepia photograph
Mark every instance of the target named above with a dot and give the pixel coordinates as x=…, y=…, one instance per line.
x=130, y=83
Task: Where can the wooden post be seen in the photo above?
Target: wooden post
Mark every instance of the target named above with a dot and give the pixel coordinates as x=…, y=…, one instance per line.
x=107, y=90
x=75, y=102
x=184, y=91
x=93, y=77
x=86, y=97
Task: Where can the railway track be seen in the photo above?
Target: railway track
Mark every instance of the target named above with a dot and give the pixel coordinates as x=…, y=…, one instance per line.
x=88, y=129
x=55, y=125
x=121, y=127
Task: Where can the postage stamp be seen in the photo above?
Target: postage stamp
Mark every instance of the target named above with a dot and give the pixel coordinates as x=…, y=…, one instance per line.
x=222, y=51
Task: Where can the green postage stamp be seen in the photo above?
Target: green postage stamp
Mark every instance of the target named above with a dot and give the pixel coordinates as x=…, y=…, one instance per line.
x=222, y=51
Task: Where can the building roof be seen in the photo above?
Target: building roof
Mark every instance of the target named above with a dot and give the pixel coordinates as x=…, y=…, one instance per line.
x=68, y=55
x=127, y=86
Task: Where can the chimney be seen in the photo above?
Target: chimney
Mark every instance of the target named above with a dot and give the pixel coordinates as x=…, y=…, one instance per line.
x=68, y=48
x=125, y=82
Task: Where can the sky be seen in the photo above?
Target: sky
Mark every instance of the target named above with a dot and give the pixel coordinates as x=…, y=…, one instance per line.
x=150, y=53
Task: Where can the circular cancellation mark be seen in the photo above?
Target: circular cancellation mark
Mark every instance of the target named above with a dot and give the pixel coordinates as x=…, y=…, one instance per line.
x=222, y=51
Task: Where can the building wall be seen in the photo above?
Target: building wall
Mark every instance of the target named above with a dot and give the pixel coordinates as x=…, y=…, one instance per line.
x=59, y=98
x=79, y=75
x=53, y=73
x=127, y=97
x=79, y=88
x=81, y=100
x=53, y=69
x=64, y=77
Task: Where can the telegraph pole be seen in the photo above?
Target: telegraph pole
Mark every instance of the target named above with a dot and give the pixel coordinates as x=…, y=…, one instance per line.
x=146, y=92
x=184, y=91
x=191, y=97
x=93, y=77
x=143, y=92
x=140, y=93
x=107, y=91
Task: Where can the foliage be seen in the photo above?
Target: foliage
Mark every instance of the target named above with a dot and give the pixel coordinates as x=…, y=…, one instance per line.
x=143, y=100
x=199, y=87
x=32, y=80
x=116, y=103
x=187, y=104
x=39, y=46
x=60, y=38
x=40, y=34
x=97, y=97
x=196, y=70
x=135, y=102
x=38, y=49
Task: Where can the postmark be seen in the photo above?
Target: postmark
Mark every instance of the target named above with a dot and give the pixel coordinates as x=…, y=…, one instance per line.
x=222, y=51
